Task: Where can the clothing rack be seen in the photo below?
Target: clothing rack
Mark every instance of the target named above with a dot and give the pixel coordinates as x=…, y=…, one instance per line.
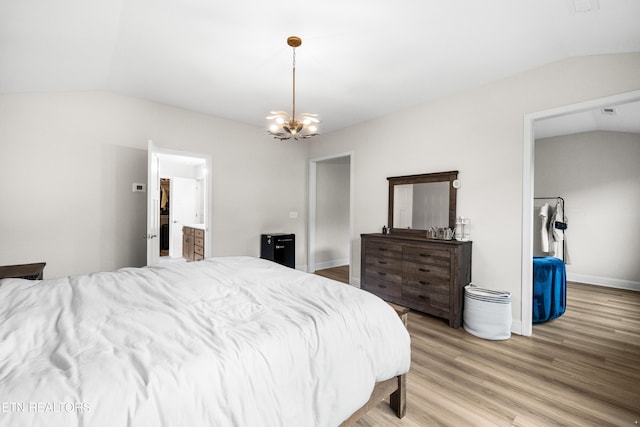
x=561, y=199
x=550, y=198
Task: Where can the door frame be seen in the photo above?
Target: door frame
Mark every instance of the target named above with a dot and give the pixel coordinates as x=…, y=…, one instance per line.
x=311, y=238
x=153, y=175
x=526, y=293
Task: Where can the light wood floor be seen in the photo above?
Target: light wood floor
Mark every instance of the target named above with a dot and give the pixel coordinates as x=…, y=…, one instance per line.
x=582, y=369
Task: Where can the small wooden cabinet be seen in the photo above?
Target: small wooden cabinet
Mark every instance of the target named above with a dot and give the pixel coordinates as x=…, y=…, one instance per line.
x=422, y=274
x=23, y=271
x=192, y=243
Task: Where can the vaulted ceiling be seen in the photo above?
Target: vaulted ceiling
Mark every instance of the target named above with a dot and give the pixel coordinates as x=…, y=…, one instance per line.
x=359, y=59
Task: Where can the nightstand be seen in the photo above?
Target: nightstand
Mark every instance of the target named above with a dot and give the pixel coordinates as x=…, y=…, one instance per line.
x=23, y=271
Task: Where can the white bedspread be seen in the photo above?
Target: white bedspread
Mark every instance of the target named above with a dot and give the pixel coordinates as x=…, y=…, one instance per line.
x=232, y=341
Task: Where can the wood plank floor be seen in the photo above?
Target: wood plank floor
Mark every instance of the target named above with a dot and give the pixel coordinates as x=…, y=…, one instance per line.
x=582, y=369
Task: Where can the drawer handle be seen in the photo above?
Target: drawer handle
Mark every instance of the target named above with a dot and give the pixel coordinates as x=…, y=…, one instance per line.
x=382, y=262
x=424, y=270
x=425, y=255
x=382, y=249
x=382, y=273
x=422, y=297
x=382, y=286
x=422, y=282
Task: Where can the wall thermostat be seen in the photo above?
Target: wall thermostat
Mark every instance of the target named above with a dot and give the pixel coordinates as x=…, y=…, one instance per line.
x=138, y=188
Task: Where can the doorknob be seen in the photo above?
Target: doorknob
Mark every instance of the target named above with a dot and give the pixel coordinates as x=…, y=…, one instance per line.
x=150, y=236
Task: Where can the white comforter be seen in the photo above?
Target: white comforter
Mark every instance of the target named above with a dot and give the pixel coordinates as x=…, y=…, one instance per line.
x=232, y=341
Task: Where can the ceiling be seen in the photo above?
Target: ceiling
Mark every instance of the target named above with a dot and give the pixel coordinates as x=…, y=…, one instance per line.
x=359, y=59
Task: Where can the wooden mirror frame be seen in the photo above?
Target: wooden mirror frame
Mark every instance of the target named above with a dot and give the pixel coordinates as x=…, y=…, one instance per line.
x=419, y=179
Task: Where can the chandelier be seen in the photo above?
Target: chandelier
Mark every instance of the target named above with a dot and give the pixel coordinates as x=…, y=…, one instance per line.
x=285, y=126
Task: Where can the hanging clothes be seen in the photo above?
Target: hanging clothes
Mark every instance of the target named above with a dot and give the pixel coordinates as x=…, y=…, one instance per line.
x=558, y=226
x=544, y=230
x=556, y=234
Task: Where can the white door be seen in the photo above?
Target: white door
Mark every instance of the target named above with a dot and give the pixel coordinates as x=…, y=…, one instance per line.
x=153, y=205
x=183, y=210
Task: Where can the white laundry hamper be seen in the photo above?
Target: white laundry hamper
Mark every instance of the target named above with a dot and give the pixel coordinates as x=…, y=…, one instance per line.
x=487, y=313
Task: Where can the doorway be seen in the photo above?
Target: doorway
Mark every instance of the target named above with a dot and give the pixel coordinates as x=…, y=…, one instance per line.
x=528, y=170
x=185, y=179
x=330, y=212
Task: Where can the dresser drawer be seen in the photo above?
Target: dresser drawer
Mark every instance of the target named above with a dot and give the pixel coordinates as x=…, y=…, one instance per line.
x=199, y=241
x=430, y=299
x=379, y=268
x=384, y=289
x=199, y=233
x=198, y=249
x=428, y=272
x=427, y=255
x=380, y=249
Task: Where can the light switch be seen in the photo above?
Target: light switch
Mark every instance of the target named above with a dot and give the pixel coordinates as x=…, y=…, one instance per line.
x=138, y=188
x=293, y=214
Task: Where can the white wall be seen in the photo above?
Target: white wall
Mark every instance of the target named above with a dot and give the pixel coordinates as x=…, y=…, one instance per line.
x=332, y=213
x=67, y=162
x=598, y=175
x=479, y=133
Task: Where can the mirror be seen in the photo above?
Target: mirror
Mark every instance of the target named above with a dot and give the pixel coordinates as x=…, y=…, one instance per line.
x=420, y=202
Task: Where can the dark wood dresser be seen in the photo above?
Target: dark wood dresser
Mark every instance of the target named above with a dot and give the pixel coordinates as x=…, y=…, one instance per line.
x=423, y=274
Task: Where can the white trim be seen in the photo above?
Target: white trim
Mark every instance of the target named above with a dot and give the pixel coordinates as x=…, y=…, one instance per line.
x=608, y=282
x=527, y=190
x=311, y=240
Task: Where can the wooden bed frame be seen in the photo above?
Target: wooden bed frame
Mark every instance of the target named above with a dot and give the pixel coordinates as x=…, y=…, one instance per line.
x=395, y=388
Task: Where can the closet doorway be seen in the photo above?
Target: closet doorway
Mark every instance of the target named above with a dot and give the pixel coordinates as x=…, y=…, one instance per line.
x=530, y=122
x=330, y=213
x=179, y=193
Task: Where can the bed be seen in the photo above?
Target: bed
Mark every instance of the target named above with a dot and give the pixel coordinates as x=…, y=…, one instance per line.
x=233, y=341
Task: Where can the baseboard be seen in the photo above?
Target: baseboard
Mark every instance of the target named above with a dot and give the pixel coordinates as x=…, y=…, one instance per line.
x=516, y=326
x=604, y=281
x=331, y=264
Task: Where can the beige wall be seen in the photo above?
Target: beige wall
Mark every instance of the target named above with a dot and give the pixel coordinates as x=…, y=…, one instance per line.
x=67, y=162
x=479, y=133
